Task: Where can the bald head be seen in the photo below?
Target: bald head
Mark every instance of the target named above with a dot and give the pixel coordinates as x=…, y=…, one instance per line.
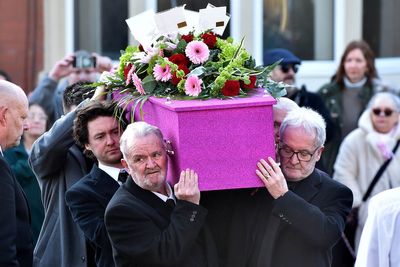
x=10, y=91
x=13, y=113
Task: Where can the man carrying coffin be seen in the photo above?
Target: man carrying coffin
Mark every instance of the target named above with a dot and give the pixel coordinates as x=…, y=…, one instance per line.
x=303, y=211
x=149, y=224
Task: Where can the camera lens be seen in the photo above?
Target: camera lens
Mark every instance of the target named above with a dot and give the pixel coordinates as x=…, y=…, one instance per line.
x=86, y=62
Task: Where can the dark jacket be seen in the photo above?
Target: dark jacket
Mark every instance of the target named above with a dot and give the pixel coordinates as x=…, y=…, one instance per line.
x=331, y=94
x=18, y=160
x=87, y=200
x=48, y=94
x=15, y=233
x=58, y=164
x=304, y=98
x=299, y=229
x=302, y=226
x=145, y=231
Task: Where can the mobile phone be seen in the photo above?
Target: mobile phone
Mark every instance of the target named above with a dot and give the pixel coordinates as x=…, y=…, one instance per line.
x=83, y=60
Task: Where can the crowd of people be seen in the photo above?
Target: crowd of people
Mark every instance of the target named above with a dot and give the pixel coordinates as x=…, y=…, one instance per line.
x=79, y=186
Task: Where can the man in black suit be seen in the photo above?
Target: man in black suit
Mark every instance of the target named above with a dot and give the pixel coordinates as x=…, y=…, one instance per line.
x=16, y=246
x=302, y=210
x=97, y=130
x=148, y=223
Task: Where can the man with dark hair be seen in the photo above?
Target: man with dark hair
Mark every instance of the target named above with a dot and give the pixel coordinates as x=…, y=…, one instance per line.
x=98, y=131
x=15, y=234
x=58, y=163
x=75, y=94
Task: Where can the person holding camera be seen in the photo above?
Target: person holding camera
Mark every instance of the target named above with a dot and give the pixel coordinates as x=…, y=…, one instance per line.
x=80, y=66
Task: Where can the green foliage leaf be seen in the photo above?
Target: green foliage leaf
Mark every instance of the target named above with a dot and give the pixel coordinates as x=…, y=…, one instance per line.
x=198, y=71
x=149, y=84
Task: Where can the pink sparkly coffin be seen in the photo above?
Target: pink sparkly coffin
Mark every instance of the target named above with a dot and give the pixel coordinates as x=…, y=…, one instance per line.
x=222, y=140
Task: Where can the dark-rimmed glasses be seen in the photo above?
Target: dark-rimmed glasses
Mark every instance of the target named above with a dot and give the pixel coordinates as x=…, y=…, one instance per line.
x=302, y=155
x=285, y=67
x=387, y=112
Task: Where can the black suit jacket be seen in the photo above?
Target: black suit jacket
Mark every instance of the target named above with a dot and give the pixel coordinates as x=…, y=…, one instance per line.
x=87, y=200
x=299, y=229
x=145, y=231
x=16, y=247
x=304, y=224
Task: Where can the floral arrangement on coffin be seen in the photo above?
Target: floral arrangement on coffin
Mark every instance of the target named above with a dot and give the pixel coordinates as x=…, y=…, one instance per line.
x=188, y=66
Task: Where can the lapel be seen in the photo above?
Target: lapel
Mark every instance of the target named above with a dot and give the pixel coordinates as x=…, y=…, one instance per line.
x=103, y=183
x=309, y=187
x=270, y=234
x=18, y=188
x=78, y=155
x=306, y=189
x=148, y=197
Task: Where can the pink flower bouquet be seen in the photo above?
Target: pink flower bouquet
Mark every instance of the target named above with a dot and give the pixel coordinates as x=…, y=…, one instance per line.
x=188, y=66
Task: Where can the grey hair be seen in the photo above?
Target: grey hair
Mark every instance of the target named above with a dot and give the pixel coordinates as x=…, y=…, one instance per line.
x=311, y=121
x=387, y=95
x=137, y=130
x=285, y=104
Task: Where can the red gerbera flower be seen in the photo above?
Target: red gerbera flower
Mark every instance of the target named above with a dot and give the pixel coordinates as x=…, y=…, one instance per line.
x=252, y=83
x=209, y=39
x=187, y=37
x=179, y=59
x=126, y=70
x=231, y=88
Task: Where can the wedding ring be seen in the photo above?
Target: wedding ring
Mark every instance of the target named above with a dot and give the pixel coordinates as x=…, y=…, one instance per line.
x=267, y=176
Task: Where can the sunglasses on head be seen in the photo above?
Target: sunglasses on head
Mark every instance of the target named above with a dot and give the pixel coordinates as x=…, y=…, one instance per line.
x=387, y=112
x=285, y=67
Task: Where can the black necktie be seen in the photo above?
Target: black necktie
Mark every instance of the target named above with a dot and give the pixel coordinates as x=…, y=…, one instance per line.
x=170, y=202
x=122, y=176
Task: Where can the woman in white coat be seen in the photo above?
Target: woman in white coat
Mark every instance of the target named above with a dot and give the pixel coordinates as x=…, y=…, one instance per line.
x=380, y=239
x=366, y=148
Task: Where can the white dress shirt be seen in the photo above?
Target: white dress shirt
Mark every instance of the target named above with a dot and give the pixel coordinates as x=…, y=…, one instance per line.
x=169, y=192
x=112, y=171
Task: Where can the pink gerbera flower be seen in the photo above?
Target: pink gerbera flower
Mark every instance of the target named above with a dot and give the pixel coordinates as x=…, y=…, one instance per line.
x=138, y=84
x=197, y=52
x=193, y=85
x=162, y=73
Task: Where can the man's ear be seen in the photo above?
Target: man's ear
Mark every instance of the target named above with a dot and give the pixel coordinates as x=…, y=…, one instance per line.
x=3, y=116
x=320, y=150
x=87, y=147
x=124, y=164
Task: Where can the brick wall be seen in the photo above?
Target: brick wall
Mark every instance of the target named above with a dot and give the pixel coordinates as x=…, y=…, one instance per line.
x=21, y=40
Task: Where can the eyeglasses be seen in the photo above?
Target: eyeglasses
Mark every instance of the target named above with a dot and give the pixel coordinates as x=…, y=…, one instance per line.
x=302, y=155
x=387, y=112
x=285, y=68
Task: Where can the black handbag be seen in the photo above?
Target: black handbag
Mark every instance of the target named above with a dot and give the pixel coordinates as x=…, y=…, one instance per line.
x=352, y=219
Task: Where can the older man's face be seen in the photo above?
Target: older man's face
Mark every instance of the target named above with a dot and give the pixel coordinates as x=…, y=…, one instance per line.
x=279, y=116
x=17, y=114
x=147, y=163
x=295, y=139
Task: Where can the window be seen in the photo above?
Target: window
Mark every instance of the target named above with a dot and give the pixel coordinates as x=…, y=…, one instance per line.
x=380, y=25
x=100, y=26
x=304, y=27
